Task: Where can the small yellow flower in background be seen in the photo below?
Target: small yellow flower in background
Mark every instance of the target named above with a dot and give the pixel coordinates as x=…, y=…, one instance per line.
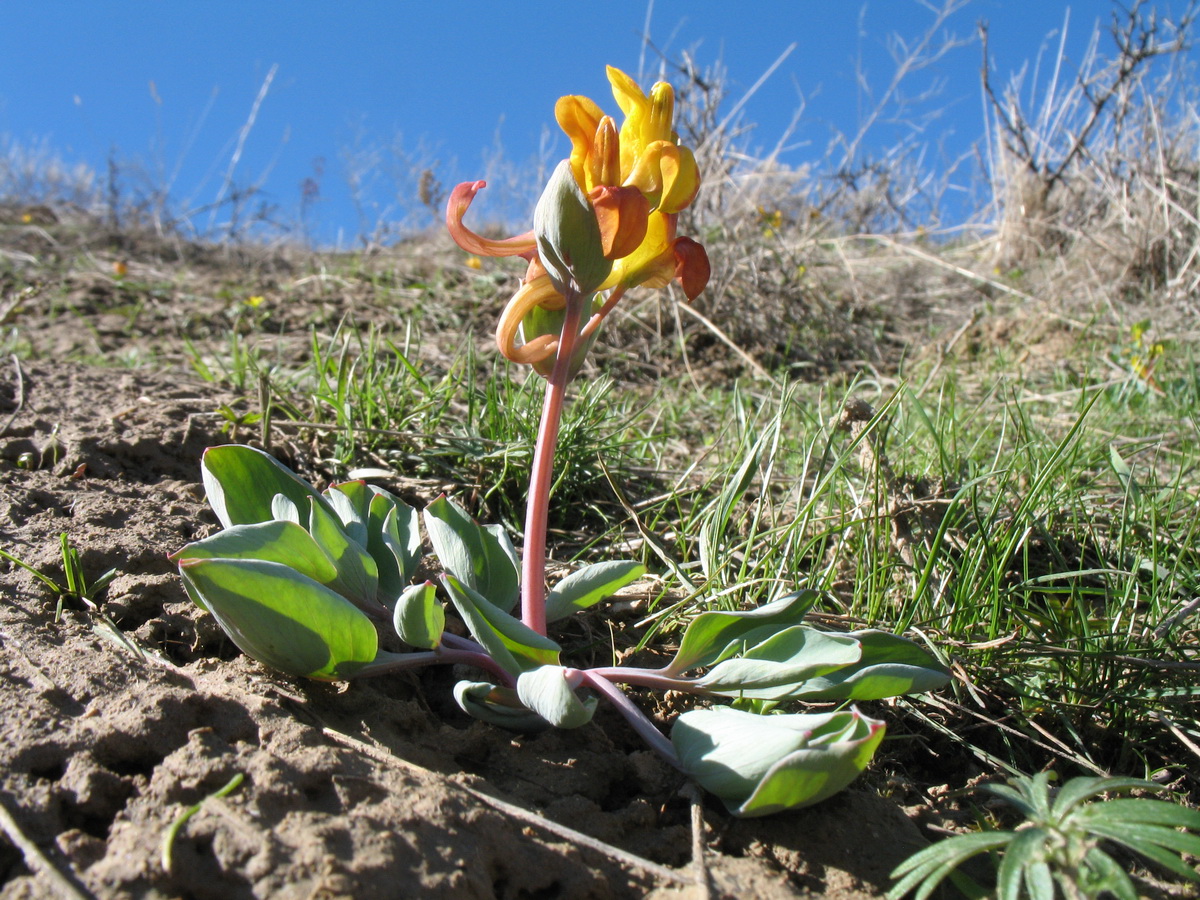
x=255, y=301
x=474, y=262
x=771, y=221
x=26, y=219
x=120, y=269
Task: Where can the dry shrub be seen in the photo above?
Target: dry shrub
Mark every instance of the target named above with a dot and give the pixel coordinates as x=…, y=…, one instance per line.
x=1098, y=172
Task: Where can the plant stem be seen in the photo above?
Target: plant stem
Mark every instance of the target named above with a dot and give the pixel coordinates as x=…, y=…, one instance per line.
x=636, y=718
x=386, y=663
x=657, y=679
x=533, y=565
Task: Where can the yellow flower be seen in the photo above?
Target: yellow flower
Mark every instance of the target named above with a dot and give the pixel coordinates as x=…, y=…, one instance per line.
x=635, y=179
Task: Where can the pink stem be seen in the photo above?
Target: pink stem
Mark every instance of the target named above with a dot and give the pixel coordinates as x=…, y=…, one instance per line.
x=636, y=718
x=386, y=663
x=533, y=566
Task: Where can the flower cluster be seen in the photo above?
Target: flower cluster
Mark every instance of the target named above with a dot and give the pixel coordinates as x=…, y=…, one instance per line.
x=605, y=223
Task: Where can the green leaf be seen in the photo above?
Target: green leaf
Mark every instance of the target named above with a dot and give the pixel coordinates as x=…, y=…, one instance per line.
x=1107, y=875
x=241, y=483
x=284, y=509
x=930, y=866
x=1084, y=787
x=759, y=765
x=783, y=665
x=395, y=543
x=547, y=691
x=510, y=642
x=277, y=541
x=1142, y=810
x=1019, y=799
x=358, y=576
x=497, y=706
x=481, y=558
x=1153, y=841
x=1039, y=881
x=588, y=586
x=282, y=618
x=351, y=502
x=714, y=636
x=1124, y=472
x=1024, y=851
x=419, y=618
x=889, y=666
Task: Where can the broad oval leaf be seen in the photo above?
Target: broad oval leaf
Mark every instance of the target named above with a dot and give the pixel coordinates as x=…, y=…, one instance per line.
x=480, y=557
x=783, y=665
x=588, y=586
x=547, y=691
x=282, y=618
x=714, y=636
x=419, y=618
x=358, y=576
x=241, y=483
x=497, y=706
x=890, y=666
x=394, y=540
x=351, y=502
x=510, y=642
x=758, y=765
x=284, y=509
x=276, y=541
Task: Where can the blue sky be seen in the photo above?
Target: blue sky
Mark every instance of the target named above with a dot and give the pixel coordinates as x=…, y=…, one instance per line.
x=166, y=86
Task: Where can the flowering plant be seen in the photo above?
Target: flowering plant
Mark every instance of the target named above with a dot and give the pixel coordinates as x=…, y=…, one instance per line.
x=300, y=579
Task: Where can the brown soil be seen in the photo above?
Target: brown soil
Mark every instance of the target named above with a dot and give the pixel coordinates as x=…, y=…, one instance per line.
x=349, y=791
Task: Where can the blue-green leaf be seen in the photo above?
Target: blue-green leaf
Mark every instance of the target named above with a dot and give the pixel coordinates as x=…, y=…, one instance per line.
x=759, y=765
x=275, y=541
x=481, y=558
x=395, y=543
x=282, y=618
x=889, y=666
x=547, y=692
x=714, y=636
x=351, y=501
x=419, y=618
x=510, y=642
x=497, y=706
x=588, y=586
x=783, y=666
x=358, y=576
x=284, y=509
x=241, y=483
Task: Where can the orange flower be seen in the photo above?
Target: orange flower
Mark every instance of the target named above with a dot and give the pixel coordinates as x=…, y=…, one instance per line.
x=635, y=181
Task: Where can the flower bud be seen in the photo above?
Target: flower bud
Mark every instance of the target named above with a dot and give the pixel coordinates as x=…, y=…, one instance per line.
x=568, y=235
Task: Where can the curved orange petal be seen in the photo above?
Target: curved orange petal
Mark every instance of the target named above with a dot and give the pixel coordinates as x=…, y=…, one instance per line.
x=604, y=160
x=653, y=262
x=692, y=267
x=538, y=292
x=456, y=208
x=622, y=214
